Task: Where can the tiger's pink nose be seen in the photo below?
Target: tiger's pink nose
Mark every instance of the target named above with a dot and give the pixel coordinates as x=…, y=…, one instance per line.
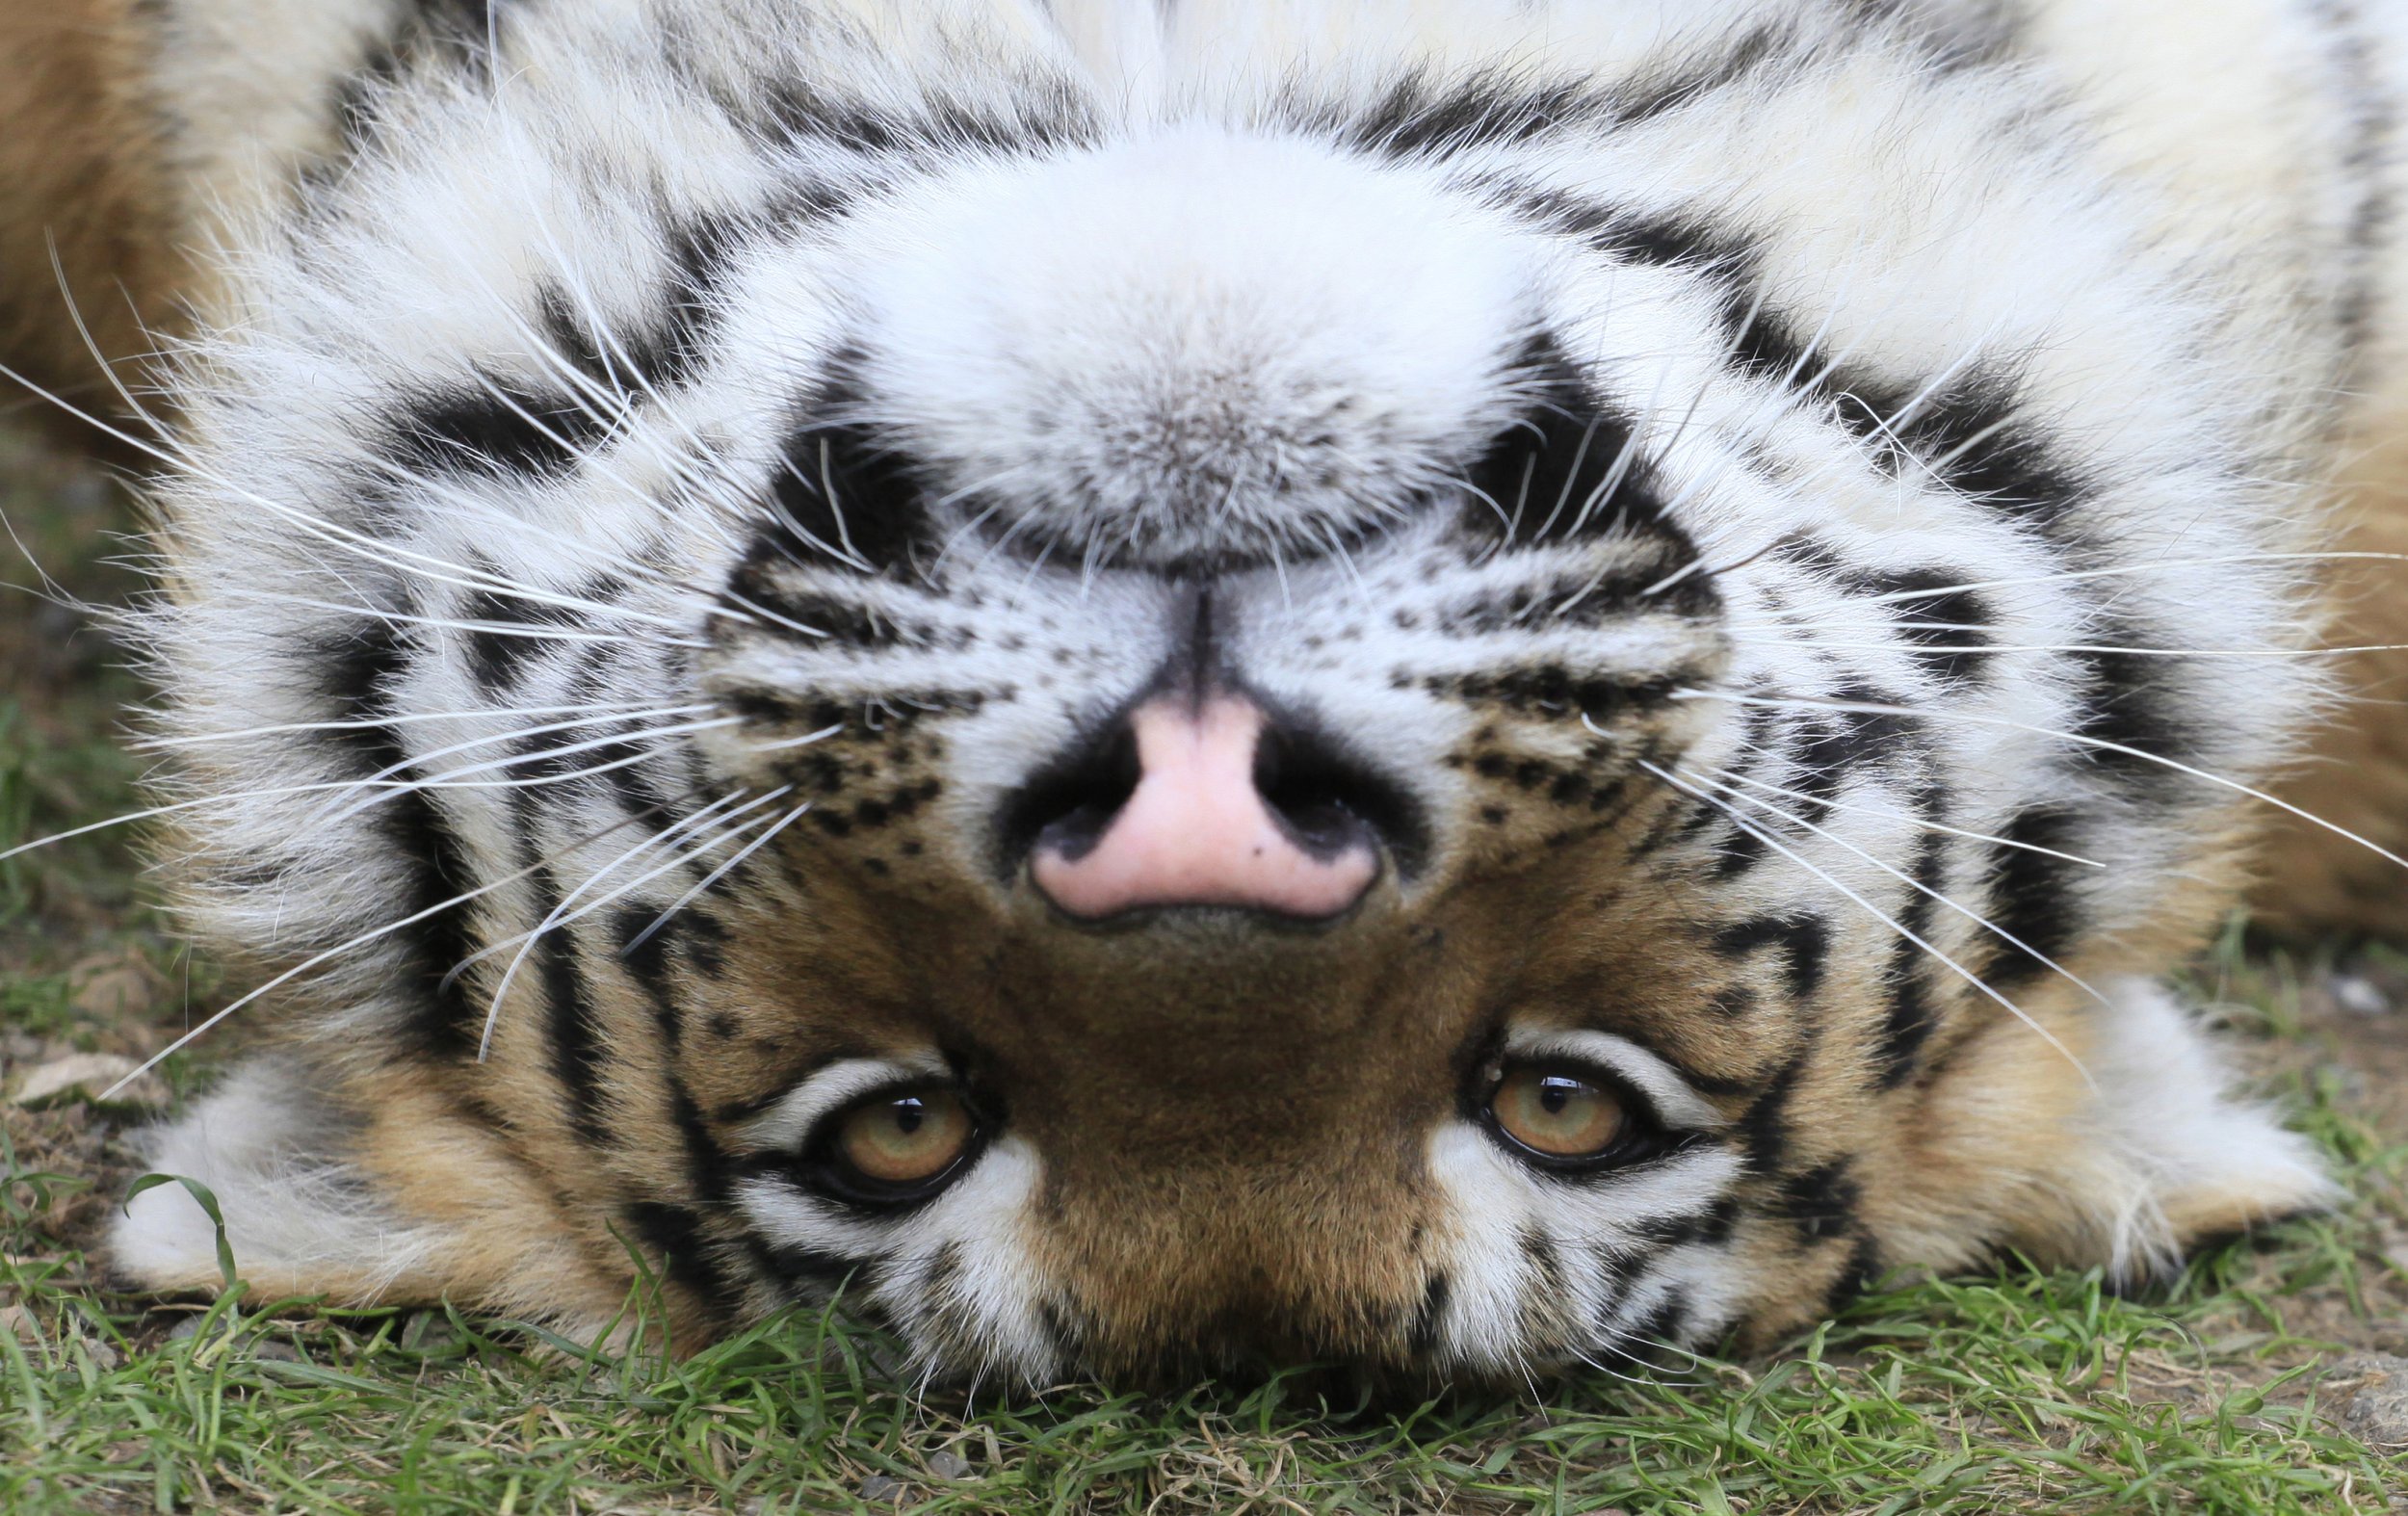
x=1221, y=813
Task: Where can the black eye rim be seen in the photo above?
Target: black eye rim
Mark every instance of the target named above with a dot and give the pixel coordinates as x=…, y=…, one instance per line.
x=1643, y=1139
x=823, y=1168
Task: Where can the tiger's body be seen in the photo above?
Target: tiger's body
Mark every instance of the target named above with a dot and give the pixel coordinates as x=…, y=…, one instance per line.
x=1764, y=534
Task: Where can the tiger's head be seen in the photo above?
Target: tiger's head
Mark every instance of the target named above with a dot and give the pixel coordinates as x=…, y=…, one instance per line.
x=1341, y=733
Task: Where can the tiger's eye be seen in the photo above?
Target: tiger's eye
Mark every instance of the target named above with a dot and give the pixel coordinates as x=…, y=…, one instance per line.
x=906, y=1139
x=1557, y=1113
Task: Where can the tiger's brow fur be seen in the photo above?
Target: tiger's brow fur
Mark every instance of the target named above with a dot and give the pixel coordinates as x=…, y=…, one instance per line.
x=1812, y=510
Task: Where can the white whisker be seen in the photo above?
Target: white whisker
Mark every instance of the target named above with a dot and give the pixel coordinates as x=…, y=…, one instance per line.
x=1902, y=816
x=1871, y=909
x=1911, y=883
x=359, y=941
x=715, y=875
x=2095, y=744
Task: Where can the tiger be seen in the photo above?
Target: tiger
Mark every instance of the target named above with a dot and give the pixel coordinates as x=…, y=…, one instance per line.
x=1151, y=687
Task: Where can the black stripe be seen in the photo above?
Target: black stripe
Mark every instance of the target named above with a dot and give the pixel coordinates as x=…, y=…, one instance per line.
x=1830, y=747
x=1819, y=1202
x=2033, y=898
x=1764, y=1128
x=674, y=1234
x=2133, y=701
x=505, y=427
x=1911, y=1014
x=439, y=1022
x=1863, y=1271
x=1544, y=480
x=1042, y=114
x=843, y=496
x=629, y=359
x=1804, y=942
x=496, y=656
x=456, y=30
x=1943, y=621
x=1970, y=431
x=1421, y=116
x=1661, y=1326
x=2373, y=121
x=809, y=1273
x=1691, y=81
x=573, y=1026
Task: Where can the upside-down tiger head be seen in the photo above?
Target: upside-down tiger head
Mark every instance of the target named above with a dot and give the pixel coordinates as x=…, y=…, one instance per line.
x=1455, y=719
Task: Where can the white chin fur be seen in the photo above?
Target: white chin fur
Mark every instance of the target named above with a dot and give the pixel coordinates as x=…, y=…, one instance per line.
x=265, y=1145
x=2175, y=1153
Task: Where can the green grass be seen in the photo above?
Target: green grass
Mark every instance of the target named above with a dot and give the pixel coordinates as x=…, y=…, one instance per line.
x=2024, y=1390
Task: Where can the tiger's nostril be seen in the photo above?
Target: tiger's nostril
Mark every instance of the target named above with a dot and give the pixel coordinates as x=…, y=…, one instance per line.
x=1205, y=802
x=1067, y=809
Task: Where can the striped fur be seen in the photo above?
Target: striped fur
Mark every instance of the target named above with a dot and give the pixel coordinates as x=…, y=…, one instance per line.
x=1772, y=488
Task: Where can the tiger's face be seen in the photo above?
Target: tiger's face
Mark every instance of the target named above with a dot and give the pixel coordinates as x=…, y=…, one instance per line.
x=1214, y=693
x=1199, y=748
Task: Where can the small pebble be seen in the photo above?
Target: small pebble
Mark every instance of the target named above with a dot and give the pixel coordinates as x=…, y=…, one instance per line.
x=2376, y=1410
x=2359, y=996
x=878, y=1487
x=83, y=1075
x=118, y=989
x=949, y=1466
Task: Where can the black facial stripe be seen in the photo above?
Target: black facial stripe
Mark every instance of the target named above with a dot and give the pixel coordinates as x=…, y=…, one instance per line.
x=1422, y=117
x=1829, y=747
x=453, y=29
x=1945, y=623
x=1975, y=436
x=2132, y=700
x=572, y=1023
x=1863, y=1271
x=1042, y=114
x=843, y=497
x=1764, y=1128
x=810, y=1274
x=1804, y=942
x=675, y=1234
x=2372, y=124
x=498, y=654
x=1970, y=431
x=1546, y=1265
x=646, y=962
x=2034, y=898
x=1659, y=1327
x=440, y=1022
x=1690, y=82
x=621, y=358
x=1910, y=1016
x=501, y=429
x=1820, y=1202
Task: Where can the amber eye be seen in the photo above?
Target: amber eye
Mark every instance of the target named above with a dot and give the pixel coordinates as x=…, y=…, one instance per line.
x=1557, y=1113
x=901, y=1141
